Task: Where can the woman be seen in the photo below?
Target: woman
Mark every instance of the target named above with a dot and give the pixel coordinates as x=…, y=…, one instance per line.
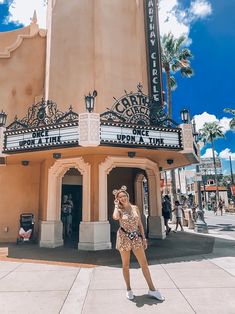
x=130, y=237
x=179, y=213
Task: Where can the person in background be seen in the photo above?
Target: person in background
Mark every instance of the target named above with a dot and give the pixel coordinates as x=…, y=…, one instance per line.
x=131, y=237
x=221, y=206
x=179, y=213
x=66, y=210
x=166, y=212
x=214, y=207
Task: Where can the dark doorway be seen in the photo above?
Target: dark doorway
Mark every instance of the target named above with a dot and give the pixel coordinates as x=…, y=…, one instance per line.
x=74, y=192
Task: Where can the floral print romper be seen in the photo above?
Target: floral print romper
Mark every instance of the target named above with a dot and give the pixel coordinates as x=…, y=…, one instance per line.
x=129, y=222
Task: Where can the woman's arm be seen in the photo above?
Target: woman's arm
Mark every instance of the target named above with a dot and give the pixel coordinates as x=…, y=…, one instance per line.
x=116, y=212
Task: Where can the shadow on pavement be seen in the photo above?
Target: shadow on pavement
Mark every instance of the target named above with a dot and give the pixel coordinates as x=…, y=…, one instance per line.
x=142, y=300
x=175, y=245
x=180, y=246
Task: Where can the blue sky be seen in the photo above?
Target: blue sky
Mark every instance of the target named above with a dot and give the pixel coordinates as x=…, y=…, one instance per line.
x=209, y=26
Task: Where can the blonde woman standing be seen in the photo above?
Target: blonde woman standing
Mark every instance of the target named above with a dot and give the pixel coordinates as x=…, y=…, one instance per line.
x=131, y=237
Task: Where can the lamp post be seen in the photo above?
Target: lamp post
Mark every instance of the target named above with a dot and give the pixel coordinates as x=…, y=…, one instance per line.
x=200, y=225
x=90, y=101
x=166, y=186
x=231, y=169
x=3, y=118
x=232, y=179
x=198, y=173
x=204, y=180
x=215, y=169
x=180, y=194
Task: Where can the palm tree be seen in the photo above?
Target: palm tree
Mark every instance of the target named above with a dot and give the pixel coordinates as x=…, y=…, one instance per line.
x=232, y=122
x=209, y=133
x=174, y=58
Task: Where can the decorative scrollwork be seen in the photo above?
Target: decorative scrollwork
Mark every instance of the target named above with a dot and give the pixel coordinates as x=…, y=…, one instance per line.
x=43, y=113
x=137, y=108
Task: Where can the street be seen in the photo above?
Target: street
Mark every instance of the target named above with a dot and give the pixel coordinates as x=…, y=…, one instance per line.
x=223, y=226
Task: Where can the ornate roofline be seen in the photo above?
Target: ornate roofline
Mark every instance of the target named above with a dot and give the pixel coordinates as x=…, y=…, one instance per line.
x=34, y=30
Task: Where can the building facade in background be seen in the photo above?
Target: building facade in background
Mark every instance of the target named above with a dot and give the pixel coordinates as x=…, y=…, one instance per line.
x=54, y=144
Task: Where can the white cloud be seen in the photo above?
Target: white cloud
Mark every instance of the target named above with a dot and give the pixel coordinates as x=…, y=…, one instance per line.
x=172, y=16
x=226, y=153
x=209, y=154
x=201, y=119
x=224, y=122
x=21, y=11
x=177, y=20
x=200, y=8
x=169, y=20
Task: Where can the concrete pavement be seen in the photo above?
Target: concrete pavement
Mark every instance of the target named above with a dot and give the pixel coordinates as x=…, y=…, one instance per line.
x=196, y=273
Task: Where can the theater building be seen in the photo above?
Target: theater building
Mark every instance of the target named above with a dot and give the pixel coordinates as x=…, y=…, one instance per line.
x=55, y=142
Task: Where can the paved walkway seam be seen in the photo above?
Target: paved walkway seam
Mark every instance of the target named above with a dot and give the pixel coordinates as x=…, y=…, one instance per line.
x=77, y=294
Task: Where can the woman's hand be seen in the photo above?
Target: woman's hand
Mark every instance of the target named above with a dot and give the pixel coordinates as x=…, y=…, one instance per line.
x=145, y=243
x=116, y=212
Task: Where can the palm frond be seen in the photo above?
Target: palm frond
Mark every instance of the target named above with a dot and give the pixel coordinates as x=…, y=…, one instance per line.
x=232, y=111
x=173, y=83
x=211, y=131
x=232, y=123
x=185, y=54
x=187, y=72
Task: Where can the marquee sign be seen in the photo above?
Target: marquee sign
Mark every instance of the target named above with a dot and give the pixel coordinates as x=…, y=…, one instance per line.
x=127, y=123
x=136, y=108
x=40, y=138
x=153, y=54
x=140, y=136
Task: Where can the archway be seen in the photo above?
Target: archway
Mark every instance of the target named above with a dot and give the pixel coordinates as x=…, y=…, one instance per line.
x=156, y=226
x=71, y=206
x=52, y=228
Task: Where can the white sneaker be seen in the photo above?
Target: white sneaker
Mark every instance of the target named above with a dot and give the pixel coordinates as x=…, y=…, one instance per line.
x=156, y=294
x=129, y=295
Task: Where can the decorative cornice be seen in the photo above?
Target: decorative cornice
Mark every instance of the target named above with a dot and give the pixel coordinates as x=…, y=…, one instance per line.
x=34, y=30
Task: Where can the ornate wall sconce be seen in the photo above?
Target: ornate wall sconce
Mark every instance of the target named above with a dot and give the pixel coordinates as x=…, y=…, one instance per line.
x=90, y=101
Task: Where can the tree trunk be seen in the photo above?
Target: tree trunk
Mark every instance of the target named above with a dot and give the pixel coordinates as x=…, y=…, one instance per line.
x=169, y=100
x=169, y=109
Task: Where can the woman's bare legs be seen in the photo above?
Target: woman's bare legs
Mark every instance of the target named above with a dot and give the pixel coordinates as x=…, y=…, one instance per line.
x=125, y=255
x=142, y=260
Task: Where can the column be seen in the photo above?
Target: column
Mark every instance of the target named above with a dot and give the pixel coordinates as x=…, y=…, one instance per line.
x=155, y=220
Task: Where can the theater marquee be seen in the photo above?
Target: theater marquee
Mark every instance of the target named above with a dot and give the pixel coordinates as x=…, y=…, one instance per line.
x=127, y=123
x=39, y=138
x=145, y=136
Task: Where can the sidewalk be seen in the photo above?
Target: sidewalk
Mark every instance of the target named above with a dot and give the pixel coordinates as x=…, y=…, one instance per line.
x=196, y=274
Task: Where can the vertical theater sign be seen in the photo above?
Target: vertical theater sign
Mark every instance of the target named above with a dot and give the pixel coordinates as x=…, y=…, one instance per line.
x=153, y=53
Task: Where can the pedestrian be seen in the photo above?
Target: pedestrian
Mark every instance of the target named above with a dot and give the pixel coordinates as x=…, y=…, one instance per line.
x=131, y=237
x=221, y=205
x=179, y=213
x=166, y=212
x=214, y=207
x=66, y=214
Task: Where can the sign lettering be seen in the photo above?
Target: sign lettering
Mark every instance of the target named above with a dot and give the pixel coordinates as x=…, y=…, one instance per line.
x=40, y=138
x=140, y=136
x=153, y=55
